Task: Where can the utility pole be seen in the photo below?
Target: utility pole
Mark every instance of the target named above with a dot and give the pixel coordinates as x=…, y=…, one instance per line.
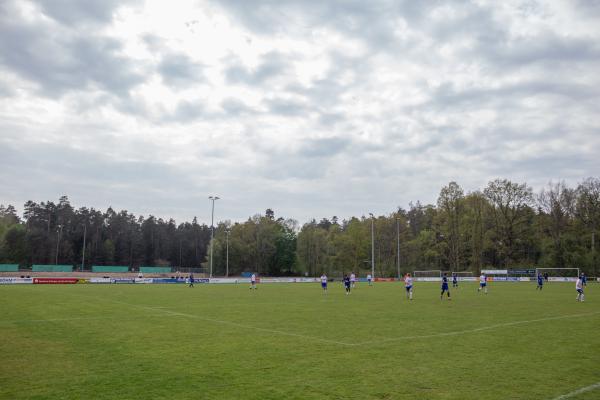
x=212, y=232
x=228, y=231
x=83, y=250
x=58, y=232
x=372, y=245
x=398, y=244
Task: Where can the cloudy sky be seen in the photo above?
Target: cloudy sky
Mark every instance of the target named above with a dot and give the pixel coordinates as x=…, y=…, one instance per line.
x=311, y=108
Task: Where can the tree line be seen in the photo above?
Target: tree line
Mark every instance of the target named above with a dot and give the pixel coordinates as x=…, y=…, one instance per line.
x=505, y=225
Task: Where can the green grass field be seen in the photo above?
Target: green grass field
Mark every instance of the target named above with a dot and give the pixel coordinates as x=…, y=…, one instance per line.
x=289, y=341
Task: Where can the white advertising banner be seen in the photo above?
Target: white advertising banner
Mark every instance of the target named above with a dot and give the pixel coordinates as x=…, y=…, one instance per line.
x=494, y=271
x=228, y=280
x=100, y=280
x=14, y=281
x=144, y=280
x=562, y=279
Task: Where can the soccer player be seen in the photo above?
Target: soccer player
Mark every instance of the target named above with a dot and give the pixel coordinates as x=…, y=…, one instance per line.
x=579, y=288
x=454, y=281
x=353, y=279
x=445, y=287
x=482, y=283
x=253, y=282
x=191, y=278
x=540, y=280
x=369, y=279
x=324, y=282
x=347, y=284
x=583, y=280
x=408, y=285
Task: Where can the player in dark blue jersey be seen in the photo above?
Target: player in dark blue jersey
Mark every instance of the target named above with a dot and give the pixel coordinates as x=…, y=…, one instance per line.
x=540, y=280
x=583, y=280
x=454, y=281
x=191, y=279
x=347, y=283
x=445, y=287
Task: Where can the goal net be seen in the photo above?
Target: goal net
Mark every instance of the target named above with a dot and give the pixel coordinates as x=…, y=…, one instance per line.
x=558, y=274
x=460, y=275
x=428, y=275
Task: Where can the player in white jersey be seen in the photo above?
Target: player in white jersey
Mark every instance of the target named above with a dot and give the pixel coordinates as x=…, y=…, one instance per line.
x=370, y=279
x=482, y=283
x=253, y=282
x=324, y=283
x=352, y=280
x=579, y=288
x=408, y=285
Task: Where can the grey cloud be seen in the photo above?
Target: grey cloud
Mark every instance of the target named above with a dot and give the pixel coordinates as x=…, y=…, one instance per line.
x=153, y=43
x=75, y=12
x=61, y=61
x=327, y=147
x=6, y=90
x=549, y=49
x=179, y=70
x=272, y=65
x=372, y=21
x=447, y=96
x=186, y=111
x=236, y=107
x=286, y=107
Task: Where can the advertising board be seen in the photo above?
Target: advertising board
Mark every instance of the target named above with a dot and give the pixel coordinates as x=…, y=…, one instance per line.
x=562, y=279
x=60, y=281
x=100, y=280
x=227, y=280
x=494, y=271
x=13, y=281
x=123, y=280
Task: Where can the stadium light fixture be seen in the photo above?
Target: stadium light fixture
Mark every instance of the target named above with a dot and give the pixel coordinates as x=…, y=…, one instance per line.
x=58, y=233
x=228, y=231
x=372, y=245
x=212, y=231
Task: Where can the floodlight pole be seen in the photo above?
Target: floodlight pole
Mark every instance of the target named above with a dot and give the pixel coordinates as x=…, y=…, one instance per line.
x=398, y=240
x=83, y=250
x=212, y=232
x=228, y=231
x=372, y=245
x=58, y=232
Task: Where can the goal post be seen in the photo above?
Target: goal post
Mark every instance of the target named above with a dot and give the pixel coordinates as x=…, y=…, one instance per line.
x=428, y=275
x=558, y=274
x=462, y=274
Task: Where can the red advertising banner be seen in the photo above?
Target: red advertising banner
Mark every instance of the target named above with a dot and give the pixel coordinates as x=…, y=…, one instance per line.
x=385, y=279
x=54, y=280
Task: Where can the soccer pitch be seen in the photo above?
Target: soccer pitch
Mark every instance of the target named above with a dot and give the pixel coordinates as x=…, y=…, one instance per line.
x=290, y=341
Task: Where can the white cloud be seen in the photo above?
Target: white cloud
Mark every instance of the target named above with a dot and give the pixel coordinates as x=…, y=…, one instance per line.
x=309, y=108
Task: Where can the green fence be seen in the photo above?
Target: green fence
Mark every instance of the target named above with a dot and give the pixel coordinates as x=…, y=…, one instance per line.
x=109, y=268
x=9, y=267
x=155, y=270
x=51, y=268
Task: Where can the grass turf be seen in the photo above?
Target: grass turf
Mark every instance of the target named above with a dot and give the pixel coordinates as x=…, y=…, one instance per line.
x=289, y=341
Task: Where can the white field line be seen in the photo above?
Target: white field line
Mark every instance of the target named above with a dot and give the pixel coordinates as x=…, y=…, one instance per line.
x=483, y=328
x=372, y=342
x=579, y=391
x=238, y=325
x=20, y=321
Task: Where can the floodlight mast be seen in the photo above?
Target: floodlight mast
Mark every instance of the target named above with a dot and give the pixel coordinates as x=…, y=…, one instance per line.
x=398, y=242
x=58, y=233
x=212, y=232
x=228, y=231
x=372, y=246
